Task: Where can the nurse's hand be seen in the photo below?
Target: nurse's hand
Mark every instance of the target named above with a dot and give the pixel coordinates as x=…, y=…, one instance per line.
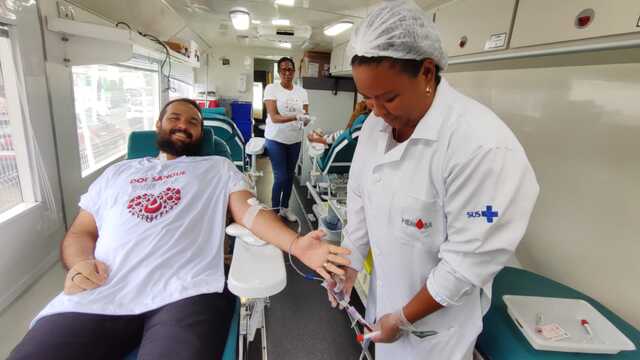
x=350, y=275
x=390, y=327
x=303, y=119
x=319, y=255
x=85, y=275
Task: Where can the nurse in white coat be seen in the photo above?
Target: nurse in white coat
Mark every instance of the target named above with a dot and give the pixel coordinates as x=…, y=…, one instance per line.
x=440, y=191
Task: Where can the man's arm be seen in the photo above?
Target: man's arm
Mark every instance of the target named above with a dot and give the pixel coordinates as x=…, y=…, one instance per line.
x=80, y=241
x=310, y=249
x=77, y=255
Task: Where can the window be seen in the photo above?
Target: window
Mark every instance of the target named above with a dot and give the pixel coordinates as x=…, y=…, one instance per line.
x=14, y=165
x=257, y=100
x=180, y=89
x=110, y=102
x=276, y=74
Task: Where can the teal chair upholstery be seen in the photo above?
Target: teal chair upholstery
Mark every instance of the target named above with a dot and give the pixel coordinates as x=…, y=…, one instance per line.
x=501, y=339
x=337, y=159
x=226, y=130
x=143, y=144
x=206, y=112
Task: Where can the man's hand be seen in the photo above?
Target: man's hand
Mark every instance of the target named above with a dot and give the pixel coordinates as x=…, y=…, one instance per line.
x=316, y=138
x=85, y=275
x=347, y=285
x=320, y=255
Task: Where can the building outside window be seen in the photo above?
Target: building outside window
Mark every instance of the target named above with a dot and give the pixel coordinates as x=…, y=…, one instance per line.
x=110, y=102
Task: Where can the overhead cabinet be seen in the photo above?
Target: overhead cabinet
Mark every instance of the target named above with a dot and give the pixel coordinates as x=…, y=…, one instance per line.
x=346, y=58
x=337, y=58
x=471, y=26
x=541, y=22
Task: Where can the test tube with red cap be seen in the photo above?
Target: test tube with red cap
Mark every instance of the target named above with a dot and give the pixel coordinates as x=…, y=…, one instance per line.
x=362, y=337
x=586, y=326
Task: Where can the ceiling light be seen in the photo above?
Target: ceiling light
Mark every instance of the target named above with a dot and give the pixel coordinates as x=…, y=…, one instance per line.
x=240, y=18
x=337, y=28
x=256, y=22
x=283, y=22
x=285, y=2
x=286, y=45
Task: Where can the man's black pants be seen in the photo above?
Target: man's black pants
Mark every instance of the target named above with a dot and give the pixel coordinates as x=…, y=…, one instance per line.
x=191, y=328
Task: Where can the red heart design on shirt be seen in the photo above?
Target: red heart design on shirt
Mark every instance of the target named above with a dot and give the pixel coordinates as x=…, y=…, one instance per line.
x=150, y=207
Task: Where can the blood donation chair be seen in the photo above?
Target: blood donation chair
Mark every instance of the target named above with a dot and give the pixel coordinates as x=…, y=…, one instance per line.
x=331, y=166
x=337, y=159
x=226, y=130
x=143, y=144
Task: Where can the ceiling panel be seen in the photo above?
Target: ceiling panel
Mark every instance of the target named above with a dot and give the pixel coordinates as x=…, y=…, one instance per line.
x=213, y=24
x=207, y=21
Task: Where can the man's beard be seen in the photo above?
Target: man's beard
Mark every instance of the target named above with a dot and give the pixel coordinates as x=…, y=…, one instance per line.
x=178, y=148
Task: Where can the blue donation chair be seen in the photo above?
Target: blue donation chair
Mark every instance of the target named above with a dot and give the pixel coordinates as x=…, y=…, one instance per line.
x=143, y=144
x=501, y=340
x=337, y=159
x=213, y=111
x=226, y=130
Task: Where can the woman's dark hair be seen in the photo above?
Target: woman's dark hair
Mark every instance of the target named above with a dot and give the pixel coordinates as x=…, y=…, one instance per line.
x=285, y=59
x=191, y=102
x=408, y=66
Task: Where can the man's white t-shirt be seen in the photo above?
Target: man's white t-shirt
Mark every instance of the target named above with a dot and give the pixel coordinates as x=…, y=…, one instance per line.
x=288, y=102
x=161, y=229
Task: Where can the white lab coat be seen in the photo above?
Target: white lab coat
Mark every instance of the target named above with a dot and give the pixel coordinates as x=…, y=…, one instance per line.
x=460, y=160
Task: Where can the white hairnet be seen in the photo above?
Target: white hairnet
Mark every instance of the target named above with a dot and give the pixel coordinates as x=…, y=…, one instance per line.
x=401, y=30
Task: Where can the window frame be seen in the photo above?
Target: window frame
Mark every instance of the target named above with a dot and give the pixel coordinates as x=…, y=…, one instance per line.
x=31, y=231
x=17, y=125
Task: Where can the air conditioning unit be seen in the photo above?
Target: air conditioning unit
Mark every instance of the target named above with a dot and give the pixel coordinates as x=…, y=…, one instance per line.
x=291, y=34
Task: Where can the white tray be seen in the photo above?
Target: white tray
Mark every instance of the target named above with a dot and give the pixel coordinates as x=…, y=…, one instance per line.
x=606, y=339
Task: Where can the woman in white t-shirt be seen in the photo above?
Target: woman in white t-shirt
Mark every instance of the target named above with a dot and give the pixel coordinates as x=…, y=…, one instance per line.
x=287, y=107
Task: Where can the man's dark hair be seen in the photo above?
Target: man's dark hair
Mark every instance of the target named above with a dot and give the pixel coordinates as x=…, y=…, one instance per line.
x=285, y=59
x=191, y=102
x=408, y=66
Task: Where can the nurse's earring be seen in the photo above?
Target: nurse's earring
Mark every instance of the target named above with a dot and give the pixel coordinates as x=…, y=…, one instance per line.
x=428, y=90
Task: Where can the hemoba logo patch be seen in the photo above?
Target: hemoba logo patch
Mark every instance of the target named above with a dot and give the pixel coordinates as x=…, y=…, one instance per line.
x=420, y=224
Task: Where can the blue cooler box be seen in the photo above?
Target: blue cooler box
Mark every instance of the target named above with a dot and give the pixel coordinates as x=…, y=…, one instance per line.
x=242, y=115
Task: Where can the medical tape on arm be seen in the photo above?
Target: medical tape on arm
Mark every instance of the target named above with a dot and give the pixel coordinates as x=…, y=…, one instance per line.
x=252, y=212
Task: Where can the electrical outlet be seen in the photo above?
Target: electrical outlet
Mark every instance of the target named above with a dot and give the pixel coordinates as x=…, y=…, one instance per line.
x=65, y=10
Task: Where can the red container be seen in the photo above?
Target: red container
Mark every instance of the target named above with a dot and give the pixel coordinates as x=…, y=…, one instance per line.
x=209, y=104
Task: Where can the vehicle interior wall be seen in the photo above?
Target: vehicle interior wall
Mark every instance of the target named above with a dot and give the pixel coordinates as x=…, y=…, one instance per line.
x=580, y=127
x=224, y=79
